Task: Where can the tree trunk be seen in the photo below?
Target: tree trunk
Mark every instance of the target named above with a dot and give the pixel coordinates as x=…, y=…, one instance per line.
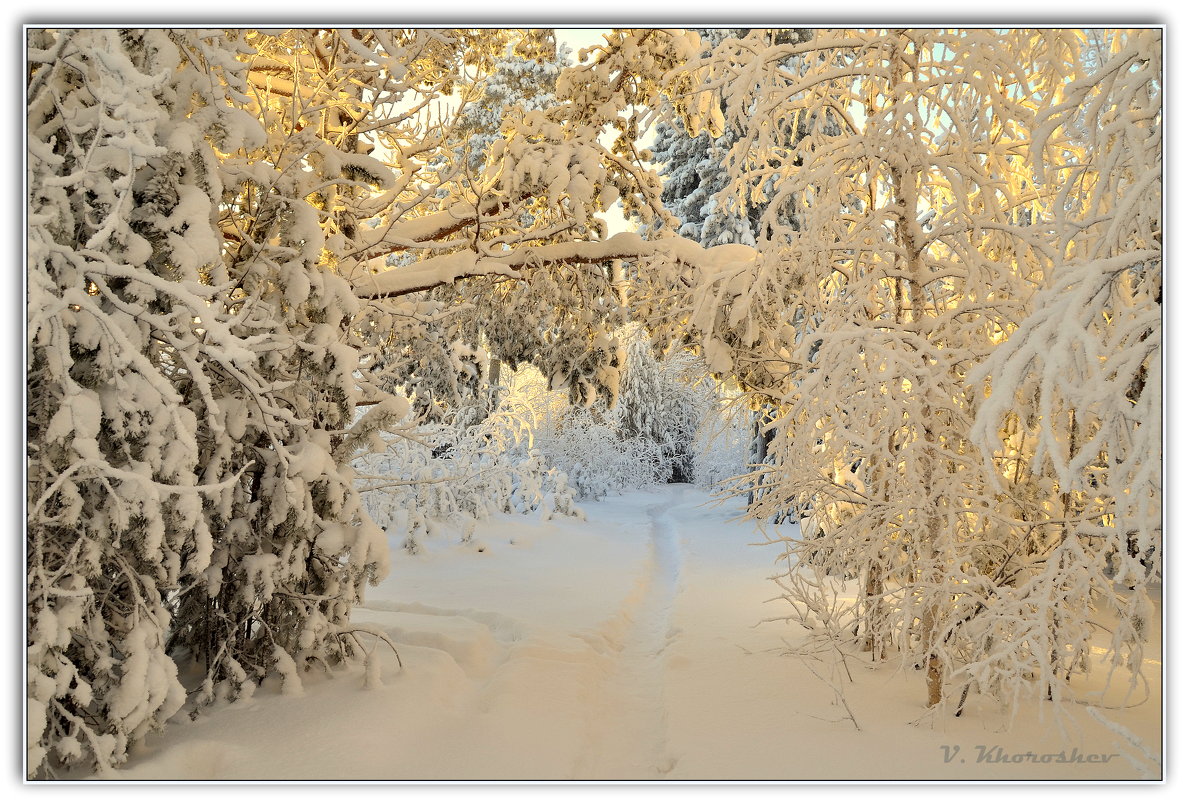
x=761, y=440
x=934, y=664
x=934, y=679
x=873, y=589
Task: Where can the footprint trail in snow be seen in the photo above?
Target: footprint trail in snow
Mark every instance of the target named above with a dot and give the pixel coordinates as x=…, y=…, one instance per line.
x=627, y=726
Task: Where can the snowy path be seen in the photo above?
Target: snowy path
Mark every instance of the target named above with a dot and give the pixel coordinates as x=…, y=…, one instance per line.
x=628, y=720
x=625, y=648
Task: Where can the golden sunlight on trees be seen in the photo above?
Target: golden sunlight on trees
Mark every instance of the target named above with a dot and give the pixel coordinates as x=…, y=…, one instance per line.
x=252, y=253
x=933, y=197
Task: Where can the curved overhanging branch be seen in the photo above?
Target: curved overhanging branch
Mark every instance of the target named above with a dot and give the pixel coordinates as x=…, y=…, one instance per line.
x=449, y=268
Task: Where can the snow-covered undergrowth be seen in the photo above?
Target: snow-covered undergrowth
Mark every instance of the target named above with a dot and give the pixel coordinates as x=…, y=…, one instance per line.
x=629, y=646
x=669, y=417
x=438, y=475
x=597, y=459
x=537, y=451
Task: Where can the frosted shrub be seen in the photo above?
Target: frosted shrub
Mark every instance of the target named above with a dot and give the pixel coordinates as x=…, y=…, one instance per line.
x=460, y=475
x=597, y=460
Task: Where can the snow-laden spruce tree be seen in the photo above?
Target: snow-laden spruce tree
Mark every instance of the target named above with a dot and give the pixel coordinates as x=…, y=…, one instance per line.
x=663, y=401
x=522, y=78
x=696, y=180
x=295, y=548
x=115, y=492
x=921, y=225
x=190, y=387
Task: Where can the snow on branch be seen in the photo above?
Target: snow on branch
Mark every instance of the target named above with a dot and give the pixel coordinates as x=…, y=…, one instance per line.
x=440, y=270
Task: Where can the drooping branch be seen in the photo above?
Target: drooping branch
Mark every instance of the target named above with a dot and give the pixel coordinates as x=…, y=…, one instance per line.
x=447, y=269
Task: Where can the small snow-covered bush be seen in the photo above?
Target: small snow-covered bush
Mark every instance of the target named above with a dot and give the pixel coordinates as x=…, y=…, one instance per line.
x=430, y=475
x=584, y=444
x=597, y=459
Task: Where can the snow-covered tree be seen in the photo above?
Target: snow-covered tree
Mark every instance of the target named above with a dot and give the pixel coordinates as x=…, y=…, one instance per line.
x=1073, y=418
x=921, y=224
x=663, y=401
x=115, y=495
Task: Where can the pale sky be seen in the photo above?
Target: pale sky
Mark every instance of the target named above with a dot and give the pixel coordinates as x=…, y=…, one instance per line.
x=577, y=38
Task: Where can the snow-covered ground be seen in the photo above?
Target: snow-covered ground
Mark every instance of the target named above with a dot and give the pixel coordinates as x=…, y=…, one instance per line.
x=626, y=647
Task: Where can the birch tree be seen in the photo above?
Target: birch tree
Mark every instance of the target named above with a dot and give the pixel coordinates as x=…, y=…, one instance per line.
x=1072, y=423
x=932, y=202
